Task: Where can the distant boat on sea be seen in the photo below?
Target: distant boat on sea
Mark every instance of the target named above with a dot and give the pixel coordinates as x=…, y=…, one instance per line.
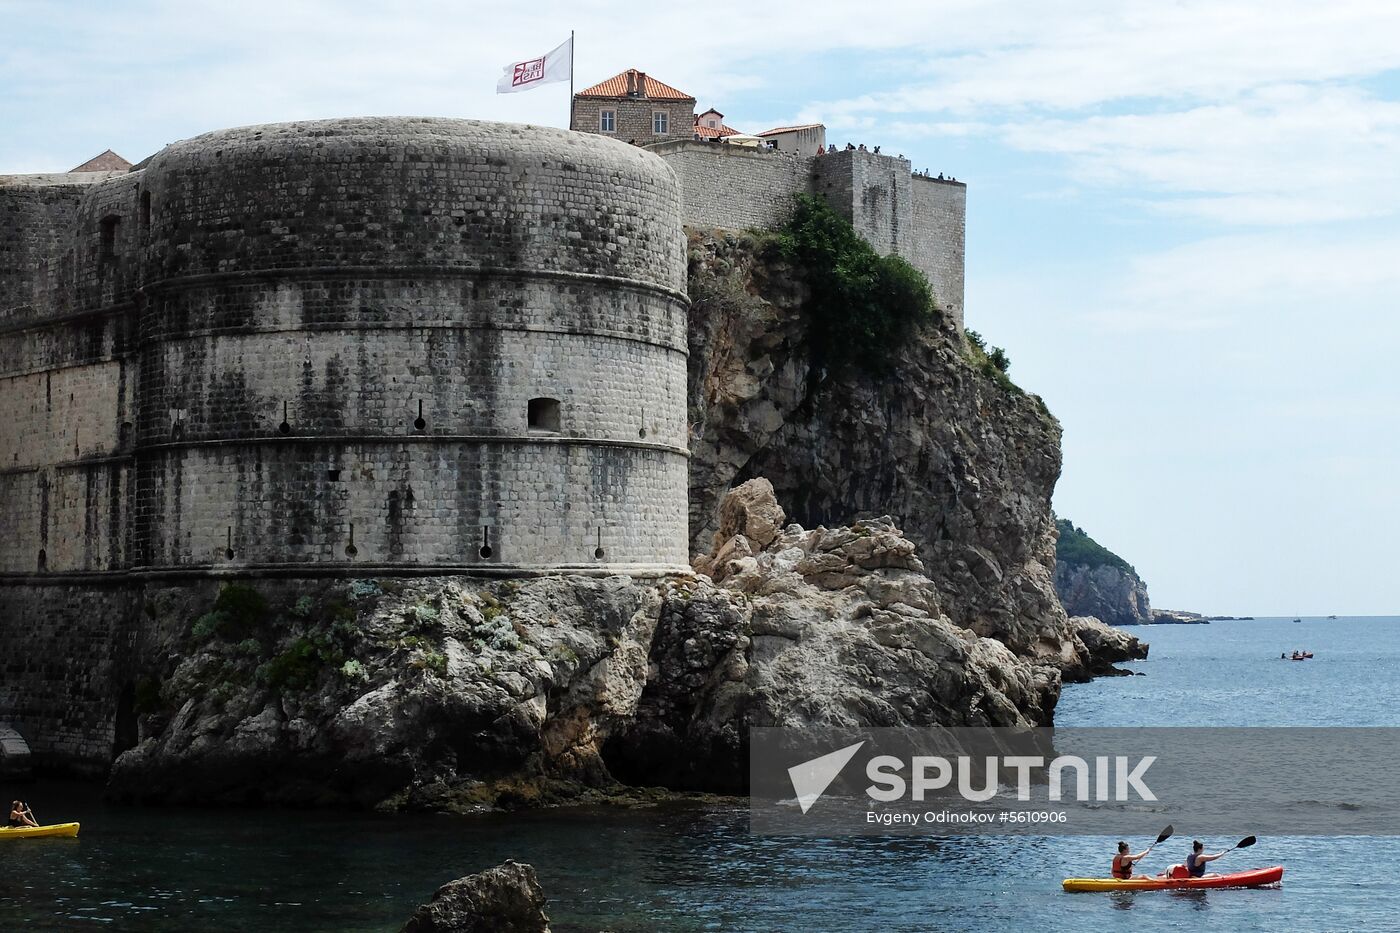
x=1331, y=617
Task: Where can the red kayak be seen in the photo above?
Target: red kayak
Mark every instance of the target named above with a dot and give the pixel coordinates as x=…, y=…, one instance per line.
x=1254, y=878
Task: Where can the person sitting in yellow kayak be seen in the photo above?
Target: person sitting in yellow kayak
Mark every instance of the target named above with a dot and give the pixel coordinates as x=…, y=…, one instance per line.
x=20, y=815
x=1123, y=862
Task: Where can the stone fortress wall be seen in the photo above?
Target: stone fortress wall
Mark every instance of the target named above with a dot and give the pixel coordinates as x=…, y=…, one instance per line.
x=919, y=218
x=317, y=345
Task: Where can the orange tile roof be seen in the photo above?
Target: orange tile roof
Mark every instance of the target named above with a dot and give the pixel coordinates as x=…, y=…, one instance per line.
x=108, y=161
x=788, y=129
x=617, y=86
x=708, y=132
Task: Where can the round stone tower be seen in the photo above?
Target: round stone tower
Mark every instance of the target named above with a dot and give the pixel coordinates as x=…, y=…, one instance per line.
x=409, y=343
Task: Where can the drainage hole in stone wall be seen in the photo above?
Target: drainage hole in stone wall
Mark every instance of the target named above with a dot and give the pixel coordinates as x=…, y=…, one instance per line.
x=333, y=476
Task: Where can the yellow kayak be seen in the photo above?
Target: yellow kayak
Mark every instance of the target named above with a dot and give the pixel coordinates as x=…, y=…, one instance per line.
x=35, y=832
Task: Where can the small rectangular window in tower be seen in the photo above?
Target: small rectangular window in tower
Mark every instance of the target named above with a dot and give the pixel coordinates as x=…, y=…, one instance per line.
x=660, y=123
x=607, y=121
x=110, y=224
x=542, y=415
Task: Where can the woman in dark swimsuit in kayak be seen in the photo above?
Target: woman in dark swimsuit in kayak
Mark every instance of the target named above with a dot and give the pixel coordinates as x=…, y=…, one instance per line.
x=1196, y=861
x=20, y=815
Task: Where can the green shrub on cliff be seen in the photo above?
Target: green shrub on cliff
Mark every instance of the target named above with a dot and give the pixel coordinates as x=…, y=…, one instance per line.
x=1076, y=547
x=301, y=664
x=862, y=305
x=237, y=613
x=992, y=362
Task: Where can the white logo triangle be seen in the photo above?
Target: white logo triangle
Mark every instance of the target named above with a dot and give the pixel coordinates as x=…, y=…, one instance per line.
x=811, y=778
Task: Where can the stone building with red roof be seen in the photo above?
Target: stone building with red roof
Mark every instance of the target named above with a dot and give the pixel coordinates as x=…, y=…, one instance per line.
x=634, y=107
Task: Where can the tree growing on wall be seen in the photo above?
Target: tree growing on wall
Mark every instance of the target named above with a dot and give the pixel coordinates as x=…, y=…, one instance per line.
x=863, y=306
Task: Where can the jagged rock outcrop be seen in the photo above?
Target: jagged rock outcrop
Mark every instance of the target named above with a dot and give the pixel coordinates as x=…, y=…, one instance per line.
x=1178, y=617
x=1093, y=581
x=353, y=694
x=1106, y=645
x=821, y=627
x=963, y=460
x=504, y=899
x=454, y=693
x=1115, y=596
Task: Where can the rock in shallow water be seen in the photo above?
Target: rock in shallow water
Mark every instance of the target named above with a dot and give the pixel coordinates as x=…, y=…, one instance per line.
x=1105, y=646
x=504, y=899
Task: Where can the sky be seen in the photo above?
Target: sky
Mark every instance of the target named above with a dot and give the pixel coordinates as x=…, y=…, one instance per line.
x=1183, y=217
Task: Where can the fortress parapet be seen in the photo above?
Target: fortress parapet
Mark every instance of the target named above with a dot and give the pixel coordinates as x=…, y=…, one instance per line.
x=920, y=218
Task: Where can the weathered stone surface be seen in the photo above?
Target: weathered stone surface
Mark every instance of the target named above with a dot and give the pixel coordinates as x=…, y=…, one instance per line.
x=750, y=510
x=345, y=374
x=964, y=463
x=452, y=693
x=1117, y=596
x=14, y=755
x=504, y=899
x=828, y=627
x=898, y=212
x=498, y=693
x=1104, y=646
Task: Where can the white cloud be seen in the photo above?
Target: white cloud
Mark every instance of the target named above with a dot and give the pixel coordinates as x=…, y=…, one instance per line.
x=1253, y=283
x=1287, y=154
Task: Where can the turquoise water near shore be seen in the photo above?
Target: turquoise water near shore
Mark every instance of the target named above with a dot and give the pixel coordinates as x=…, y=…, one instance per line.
x=697, y=868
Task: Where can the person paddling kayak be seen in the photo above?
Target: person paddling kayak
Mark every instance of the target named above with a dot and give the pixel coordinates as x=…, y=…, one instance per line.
x=21, y=815
x=1123, y=862
x=1196, y=861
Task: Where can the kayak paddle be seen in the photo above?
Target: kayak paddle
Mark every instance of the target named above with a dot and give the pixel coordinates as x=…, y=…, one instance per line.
x=1244, y=843
x=1164, y=835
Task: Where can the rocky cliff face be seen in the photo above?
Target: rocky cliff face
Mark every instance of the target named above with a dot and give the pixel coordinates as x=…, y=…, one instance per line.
x=449, y=693
x=1116, y=596
x=964, y=462
x=1093, y=581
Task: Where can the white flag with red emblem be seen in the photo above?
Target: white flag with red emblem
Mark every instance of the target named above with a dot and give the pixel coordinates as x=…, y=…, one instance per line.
x=557, y=65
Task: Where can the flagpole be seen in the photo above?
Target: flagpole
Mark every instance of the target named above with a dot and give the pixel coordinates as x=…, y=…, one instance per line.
x=570, y=124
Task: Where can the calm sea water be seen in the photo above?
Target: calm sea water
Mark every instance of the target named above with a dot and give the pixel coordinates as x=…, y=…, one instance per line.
x=692, y=868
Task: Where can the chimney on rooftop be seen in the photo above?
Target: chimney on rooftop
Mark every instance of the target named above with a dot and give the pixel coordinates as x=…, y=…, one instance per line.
x=641, y=79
